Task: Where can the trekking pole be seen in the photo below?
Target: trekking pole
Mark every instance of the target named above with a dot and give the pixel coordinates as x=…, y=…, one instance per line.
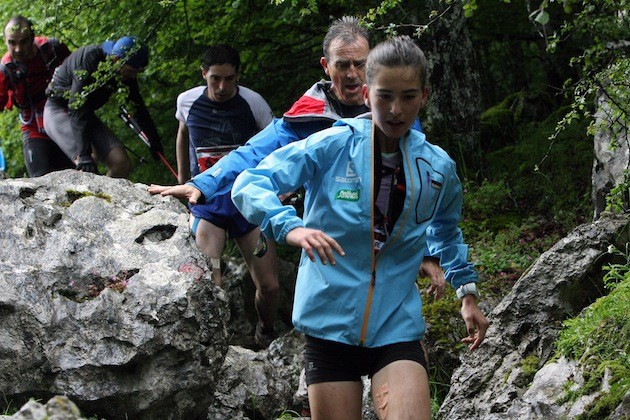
x=140, y=158
x=133, y=124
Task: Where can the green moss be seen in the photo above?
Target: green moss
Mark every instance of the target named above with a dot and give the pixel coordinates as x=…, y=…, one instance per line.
x=497, y=127
x=606, y=403
x=438, y=314
x=570, y=393
x=445, y=328
x=600, y=340
x=74, y=195
x=486, y=200
x=528, y=106
x=529, y=366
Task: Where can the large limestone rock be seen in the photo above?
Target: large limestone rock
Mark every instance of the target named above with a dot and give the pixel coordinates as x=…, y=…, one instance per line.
x=104, y=298
x=491, y=382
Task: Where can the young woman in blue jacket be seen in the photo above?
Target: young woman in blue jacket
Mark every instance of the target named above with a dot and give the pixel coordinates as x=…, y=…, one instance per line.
x=378, y=198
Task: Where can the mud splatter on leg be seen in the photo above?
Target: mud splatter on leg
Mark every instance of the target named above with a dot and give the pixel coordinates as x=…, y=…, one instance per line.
x=380, y=400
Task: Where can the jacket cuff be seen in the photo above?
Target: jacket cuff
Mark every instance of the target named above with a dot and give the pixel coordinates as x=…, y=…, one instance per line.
x=467, y=289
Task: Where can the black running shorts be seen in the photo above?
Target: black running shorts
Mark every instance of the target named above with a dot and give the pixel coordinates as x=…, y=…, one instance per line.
x=330, y=361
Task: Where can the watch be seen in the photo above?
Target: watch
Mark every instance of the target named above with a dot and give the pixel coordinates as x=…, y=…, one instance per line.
x=467, y=289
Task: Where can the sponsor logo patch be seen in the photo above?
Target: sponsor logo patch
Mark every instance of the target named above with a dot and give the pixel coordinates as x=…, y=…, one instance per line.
x=348, y=195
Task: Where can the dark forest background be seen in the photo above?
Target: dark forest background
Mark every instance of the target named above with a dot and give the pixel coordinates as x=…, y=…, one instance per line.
x=528, y=73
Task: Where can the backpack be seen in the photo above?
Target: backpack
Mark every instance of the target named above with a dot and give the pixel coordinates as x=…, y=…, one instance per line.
x=50, y=50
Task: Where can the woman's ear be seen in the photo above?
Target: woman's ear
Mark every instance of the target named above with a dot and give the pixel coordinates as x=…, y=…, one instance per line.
x=425, y=96
x=366, y=96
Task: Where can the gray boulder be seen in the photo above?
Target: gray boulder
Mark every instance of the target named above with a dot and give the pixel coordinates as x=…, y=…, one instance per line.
x=491, y=382
x=105, y=298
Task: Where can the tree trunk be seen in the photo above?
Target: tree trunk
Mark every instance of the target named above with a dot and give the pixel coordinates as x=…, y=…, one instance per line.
x=454, y=108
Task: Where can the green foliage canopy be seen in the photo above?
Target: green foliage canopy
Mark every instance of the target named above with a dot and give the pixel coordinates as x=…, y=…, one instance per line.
x=280, y=44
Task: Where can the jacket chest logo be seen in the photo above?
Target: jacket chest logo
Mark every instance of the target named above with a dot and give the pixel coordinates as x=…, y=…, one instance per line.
x=348, y=195
x=350, y=176
x=350, y=170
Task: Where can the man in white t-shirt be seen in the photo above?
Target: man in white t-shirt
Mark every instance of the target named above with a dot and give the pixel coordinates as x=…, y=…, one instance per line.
x=213, y=119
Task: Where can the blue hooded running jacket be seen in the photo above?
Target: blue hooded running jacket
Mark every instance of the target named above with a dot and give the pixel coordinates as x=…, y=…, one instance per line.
x=365, y=299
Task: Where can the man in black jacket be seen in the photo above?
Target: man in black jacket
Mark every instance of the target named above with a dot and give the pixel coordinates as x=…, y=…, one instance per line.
x=84, y=83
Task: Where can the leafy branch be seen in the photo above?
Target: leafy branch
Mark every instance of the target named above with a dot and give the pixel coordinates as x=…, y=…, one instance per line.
x=392, y=28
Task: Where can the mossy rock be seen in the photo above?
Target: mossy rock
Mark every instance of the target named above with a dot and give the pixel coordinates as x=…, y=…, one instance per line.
x=500, y=125
x=531, y=106
x=497, y=128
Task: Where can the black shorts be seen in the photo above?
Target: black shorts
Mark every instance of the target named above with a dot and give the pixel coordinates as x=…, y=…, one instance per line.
x=42, y=156
x=330, y=361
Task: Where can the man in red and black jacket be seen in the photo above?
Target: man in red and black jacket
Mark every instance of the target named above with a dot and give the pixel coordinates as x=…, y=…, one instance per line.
x=25, y=71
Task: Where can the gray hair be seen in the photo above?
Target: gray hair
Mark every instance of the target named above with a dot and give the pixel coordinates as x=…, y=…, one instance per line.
x=399, y=51
x=347, y=29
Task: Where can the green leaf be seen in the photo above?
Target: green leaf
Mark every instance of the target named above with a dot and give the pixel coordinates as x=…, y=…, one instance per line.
x=542, y=18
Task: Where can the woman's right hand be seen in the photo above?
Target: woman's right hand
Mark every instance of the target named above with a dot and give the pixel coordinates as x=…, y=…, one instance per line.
x=315, y=241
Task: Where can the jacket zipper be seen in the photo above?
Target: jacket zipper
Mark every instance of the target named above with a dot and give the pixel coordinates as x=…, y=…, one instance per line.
x=368, y=305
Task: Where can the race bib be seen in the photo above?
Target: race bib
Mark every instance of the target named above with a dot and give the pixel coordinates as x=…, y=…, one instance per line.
x=208, y=156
